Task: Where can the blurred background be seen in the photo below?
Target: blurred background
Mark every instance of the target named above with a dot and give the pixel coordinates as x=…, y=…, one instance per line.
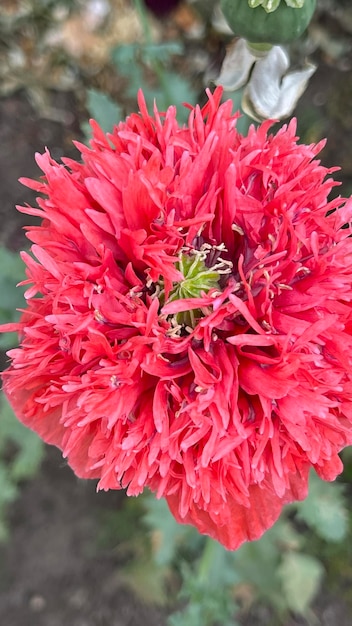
x=67, y=554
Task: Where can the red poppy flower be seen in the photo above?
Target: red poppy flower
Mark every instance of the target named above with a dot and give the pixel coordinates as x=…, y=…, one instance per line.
x=189, y=323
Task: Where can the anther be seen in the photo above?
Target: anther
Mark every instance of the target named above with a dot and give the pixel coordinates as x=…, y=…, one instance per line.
x=238, y=229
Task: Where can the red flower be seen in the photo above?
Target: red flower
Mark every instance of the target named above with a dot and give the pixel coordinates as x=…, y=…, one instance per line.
x=189, y=322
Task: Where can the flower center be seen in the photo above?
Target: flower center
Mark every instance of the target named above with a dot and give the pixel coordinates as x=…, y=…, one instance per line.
x=202, y=270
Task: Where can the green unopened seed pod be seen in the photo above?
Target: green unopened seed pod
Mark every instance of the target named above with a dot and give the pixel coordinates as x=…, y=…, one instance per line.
x=283, y=25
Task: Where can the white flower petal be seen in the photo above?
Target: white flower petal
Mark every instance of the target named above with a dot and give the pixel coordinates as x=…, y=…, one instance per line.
x=270, y=92
x=236, y=66
x=293, y=86
x=265, y=84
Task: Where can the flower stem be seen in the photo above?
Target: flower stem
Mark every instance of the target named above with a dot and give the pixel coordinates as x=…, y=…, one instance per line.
x=142, y=14
x=259, y=49
x=207, y=560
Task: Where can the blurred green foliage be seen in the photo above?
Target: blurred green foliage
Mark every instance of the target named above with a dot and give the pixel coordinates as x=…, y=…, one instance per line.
x=163, y=85
x=37, y=14
x=11, y=272
x=21, y=450
x=103, y=110
x=283, y=570
x=141, y=68
x=325, y=511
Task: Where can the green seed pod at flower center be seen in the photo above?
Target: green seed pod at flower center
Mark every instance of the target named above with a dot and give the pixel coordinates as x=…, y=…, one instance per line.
x=197, y=277
x=202, y=270
x=261, y=22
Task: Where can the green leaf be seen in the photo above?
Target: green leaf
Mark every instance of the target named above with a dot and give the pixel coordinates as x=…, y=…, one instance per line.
x=29, y=447
x=8, y=490
x=11, y=266
x=26, y=454
x=161, y=51
x=167, y=88
x=325, y=509
x=8, y=493
x=147, y=579
x=103, y=109
x=174, y=91
x=124, y=57
x=168, y=534
x=256, y=563
x=210, y=601
x=12, y=271
x=301, y=576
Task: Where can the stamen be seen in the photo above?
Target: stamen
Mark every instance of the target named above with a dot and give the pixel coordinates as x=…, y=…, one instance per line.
x=202, y=266
x=283, y=286
x=98, y=316
x=238, y=229
x=304, y=269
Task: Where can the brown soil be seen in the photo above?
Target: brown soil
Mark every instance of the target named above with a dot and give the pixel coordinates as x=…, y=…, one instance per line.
x=51, y=572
